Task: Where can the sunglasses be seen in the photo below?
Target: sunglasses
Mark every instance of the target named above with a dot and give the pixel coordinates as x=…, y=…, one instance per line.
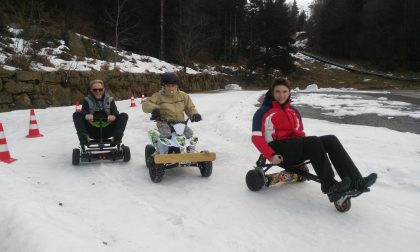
x=97, y=89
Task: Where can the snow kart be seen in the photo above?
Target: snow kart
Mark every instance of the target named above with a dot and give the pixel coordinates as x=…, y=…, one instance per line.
x=166, y=153
x=100, y=149
x=257, y=178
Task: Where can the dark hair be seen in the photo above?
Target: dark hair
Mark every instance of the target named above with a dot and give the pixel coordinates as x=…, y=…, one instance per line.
x=280, y=82
x=277, y=82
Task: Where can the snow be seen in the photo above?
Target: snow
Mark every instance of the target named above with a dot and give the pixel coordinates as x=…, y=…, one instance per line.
x=233, y=87
x=303, y=57
x=353, y=104
x=301, y=44
x=115, y=207
x=314, y=88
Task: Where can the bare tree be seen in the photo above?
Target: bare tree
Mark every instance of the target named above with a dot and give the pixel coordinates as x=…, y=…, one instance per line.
x=191, y=33
x=161, y=51
x=118, y=19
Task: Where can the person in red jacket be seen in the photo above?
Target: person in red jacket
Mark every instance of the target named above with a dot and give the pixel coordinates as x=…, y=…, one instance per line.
x=277, y=132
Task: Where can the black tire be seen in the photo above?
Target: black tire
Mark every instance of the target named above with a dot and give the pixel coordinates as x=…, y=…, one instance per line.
x=343, y=207
x=254, y=180
x=148, y=152
x=156, y=172
x=126, y=153
x=302, y=178
x=76, y=157
x=206, y=168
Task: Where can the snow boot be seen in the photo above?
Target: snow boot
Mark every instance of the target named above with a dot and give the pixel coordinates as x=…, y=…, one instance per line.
x=338, y=188
x=364, y=182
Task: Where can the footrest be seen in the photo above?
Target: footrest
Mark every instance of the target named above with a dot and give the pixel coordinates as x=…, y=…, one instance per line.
x=184, y=157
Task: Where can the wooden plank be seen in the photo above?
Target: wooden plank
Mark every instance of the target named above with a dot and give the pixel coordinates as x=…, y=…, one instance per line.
x=185, y=157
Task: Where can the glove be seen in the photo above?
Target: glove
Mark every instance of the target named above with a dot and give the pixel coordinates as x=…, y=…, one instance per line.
x=196, y=118
x=156, y=113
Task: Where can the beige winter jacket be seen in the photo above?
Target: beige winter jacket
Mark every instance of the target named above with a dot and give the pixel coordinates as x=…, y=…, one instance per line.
x=172, y=106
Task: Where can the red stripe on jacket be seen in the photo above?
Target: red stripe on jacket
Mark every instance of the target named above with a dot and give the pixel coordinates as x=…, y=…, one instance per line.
x=283, y=121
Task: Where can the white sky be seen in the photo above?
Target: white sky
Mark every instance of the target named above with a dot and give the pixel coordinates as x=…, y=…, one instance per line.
x=302, y=4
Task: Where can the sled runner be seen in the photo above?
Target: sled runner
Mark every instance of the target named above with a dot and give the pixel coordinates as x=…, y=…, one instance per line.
x=258, y=177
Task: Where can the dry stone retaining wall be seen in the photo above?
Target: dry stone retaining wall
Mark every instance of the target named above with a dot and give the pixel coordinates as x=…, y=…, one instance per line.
x=29, y=89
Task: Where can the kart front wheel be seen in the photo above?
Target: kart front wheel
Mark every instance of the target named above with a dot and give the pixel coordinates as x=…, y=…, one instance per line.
x=126, y=153
x=344, y=207
x=254, y=180
x=206, y=168
x=148, y=152
x=156, y=171
x=76, y=157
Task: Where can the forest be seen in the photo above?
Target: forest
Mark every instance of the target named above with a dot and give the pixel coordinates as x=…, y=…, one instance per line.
x=255, y=33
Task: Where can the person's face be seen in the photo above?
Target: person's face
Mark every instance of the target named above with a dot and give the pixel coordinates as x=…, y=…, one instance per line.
x=281, y=93
x=170, y=87
x=98, y=90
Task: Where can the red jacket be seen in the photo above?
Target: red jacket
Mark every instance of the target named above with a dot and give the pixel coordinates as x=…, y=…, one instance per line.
x=275, y=123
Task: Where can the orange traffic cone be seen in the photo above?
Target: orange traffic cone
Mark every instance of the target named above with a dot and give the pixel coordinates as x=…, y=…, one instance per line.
x=142, y=97
x=78, y=109
x=33, y=126
x=4, y=151
x=133, y=102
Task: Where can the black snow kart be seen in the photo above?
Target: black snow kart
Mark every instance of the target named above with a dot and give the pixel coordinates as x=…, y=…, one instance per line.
x=258, y=177
x=100, y=149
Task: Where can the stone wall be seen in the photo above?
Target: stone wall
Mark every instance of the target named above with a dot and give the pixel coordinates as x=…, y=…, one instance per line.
x=28, y=89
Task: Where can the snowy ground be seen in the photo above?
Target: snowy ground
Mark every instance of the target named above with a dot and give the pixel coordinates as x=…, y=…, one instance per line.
x=115, y=206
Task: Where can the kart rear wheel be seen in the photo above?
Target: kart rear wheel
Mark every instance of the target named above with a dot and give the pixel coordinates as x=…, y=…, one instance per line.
x=76, y=157
x=302, y=178
x=254, y=180
x=156, y=171
x=126, y=153
x=206, y=168
x=343, y=207
x=148, y=152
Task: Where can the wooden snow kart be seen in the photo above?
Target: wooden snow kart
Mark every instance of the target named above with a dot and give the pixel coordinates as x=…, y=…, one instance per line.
x=166, y=153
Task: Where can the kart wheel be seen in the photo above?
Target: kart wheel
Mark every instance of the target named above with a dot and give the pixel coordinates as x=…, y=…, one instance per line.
x=156, y=171
x=126, y=153
x=254, y=180
x=343, y=207
x=76, y=157
x=302, y=178
x=149, y=150
x=206, y=168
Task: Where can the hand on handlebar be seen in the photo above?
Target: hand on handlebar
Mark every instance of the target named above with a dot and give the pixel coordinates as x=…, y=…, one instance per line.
x=276, y=159
x=196, y=118
x=156, y=113
x=111, y=118
x=89, y=117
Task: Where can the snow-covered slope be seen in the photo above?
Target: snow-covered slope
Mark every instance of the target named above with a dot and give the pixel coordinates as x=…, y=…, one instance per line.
x=129, y=62
x=115, y=207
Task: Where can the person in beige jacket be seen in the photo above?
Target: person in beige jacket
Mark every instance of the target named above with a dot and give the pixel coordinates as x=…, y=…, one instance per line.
x=171, y=103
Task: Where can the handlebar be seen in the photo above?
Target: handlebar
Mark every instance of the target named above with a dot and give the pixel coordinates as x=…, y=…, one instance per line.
x=169, y=121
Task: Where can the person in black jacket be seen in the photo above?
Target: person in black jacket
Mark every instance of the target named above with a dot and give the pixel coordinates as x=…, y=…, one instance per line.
x=99, y=108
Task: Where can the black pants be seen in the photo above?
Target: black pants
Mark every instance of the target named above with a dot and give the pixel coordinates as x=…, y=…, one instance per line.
x=295, y=150
x=84, y=128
